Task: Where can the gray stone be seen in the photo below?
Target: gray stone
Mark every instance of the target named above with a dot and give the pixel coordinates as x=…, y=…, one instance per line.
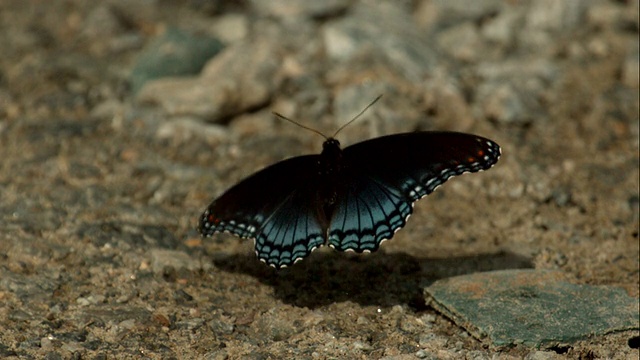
x=272, y=327
x=606, y=14
x=221, y=325
x=292, y=9
x=173, y=53
x=500, y=29
x=504, y=103
x=444, y=98
x=543, y=355
x=512, y=92
x=532, y=307
x=555, y=16
x=461, y=42
x=161, y=259
x=382, y=118
x=242, y=77
x=631, y=66
x=190, y=324
x=439, y=14
x=230, y=28
x=379, y=31
x=184, y=129
x=547, y=18
x=102, y=21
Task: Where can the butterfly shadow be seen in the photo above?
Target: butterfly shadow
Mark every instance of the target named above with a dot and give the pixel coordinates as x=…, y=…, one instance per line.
x=377, y=279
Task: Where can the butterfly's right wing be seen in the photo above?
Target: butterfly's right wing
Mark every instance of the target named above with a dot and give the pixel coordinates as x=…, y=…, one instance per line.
x=274, y=207
x=386, y=175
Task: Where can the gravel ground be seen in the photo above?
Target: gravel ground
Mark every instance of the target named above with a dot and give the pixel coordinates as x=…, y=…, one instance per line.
x=120, y=121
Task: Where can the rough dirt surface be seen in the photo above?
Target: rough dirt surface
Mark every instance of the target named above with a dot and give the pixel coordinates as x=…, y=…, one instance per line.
x=101, y=188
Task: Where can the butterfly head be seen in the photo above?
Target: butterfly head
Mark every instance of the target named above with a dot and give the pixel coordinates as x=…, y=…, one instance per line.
x=331, y=152
x=330, y=145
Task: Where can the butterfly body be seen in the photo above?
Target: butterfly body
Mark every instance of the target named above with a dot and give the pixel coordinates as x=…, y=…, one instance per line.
x=350, y=199
x=330, y=169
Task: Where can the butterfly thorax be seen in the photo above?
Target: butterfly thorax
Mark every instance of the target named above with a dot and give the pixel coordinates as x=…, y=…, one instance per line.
x=330, y=158
x=330, y=168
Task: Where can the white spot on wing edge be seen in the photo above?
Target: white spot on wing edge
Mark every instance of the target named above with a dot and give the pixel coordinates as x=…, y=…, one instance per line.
x=275, y=265
x=368, y=251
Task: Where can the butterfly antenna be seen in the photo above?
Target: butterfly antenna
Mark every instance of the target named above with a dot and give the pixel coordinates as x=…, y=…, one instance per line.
x=302, y=126
x=357, y=116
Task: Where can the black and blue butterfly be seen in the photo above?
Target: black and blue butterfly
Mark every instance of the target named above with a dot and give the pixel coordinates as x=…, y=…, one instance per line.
x=350, y=199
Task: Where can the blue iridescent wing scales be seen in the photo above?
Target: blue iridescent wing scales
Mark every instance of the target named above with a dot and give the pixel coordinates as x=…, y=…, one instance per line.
x=290, y=233
x=368, y=213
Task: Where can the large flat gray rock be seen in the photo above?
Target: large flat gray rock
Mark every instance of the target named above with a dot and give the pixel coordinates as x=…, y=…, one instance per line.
x=532, y=307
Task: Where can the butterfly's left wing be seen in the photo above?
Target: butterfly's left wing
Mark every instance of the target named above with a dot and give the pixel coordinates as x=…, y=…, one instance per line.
x=385, y=176
x=274, y=207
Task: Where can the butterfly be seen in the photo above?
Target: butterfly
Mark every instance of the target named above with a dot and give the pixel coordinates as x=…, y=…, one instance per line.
x=351, y=199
